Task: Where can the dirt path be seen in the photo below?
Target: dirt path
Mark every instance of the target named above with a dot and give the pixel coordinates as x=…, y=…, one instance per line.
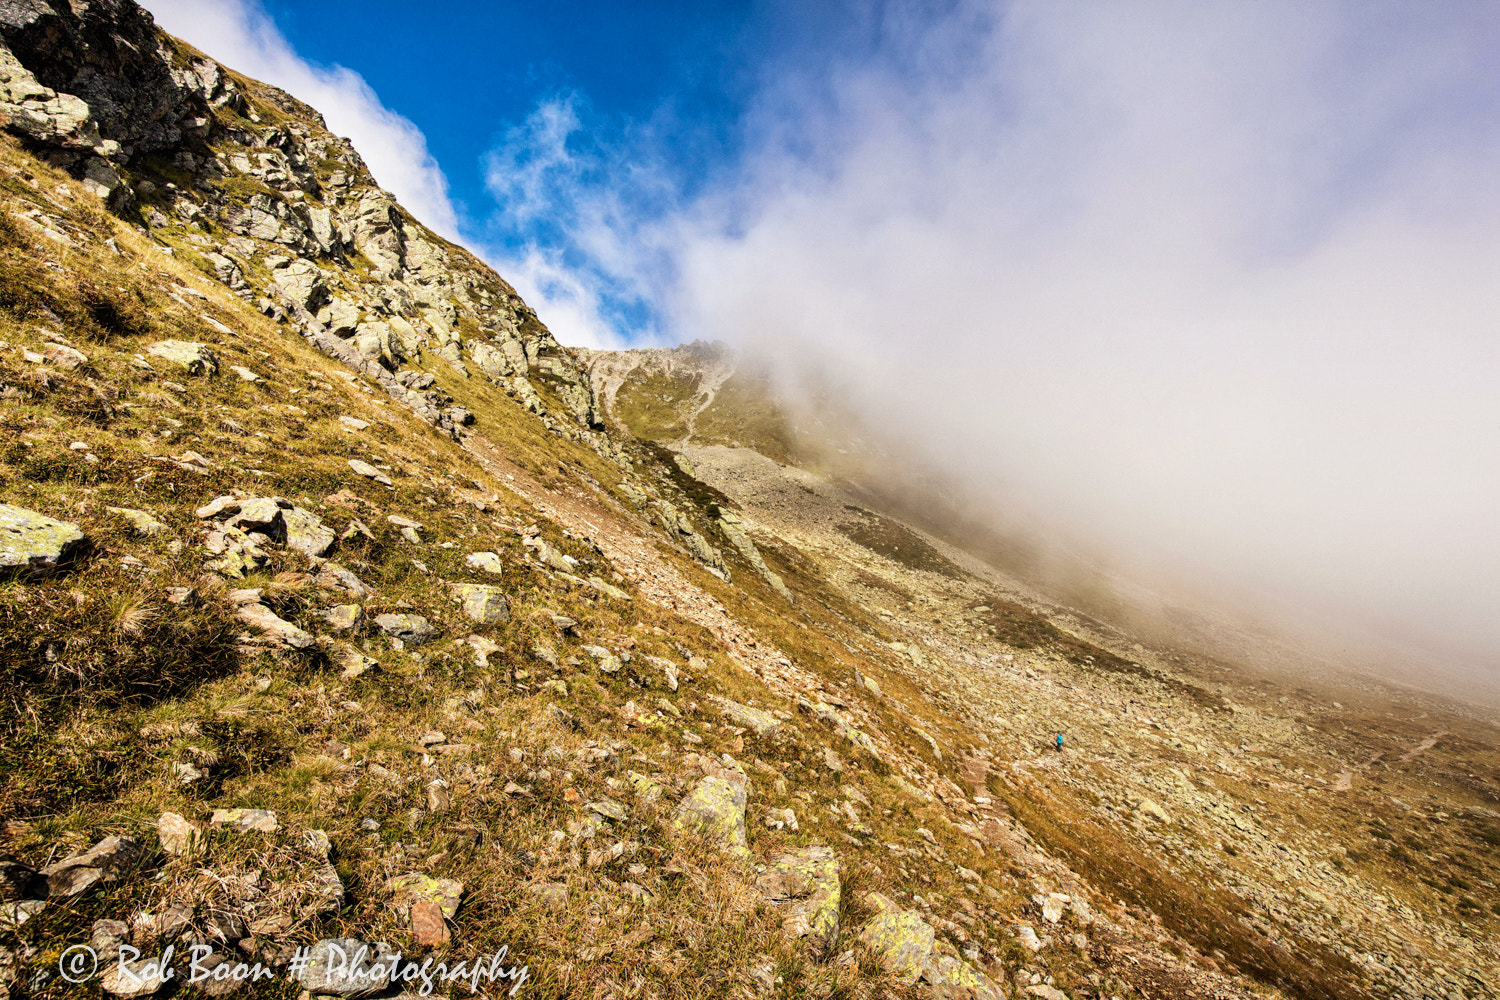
x=1422, y=747
x=632, y=549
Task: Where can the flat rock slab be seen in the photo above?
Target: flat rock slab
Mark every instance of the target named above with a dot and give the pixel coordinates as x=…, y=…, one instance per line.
x=369, y=472
x=102, y=862
x=266, y=621
x=32, y=541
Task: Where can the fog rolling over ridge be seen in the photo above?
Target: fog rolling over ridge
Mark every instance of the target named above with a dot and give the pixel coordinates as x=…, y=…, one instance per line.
x=1215, y=290
x=1209, y=291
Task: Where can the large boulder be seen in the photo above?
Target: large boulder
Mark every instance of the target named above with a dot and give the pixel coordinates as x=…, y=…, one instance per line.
x=32, y=541
x=192, y=357
x=900, y=940
x=715, y=811
x=808, y=880
x=483, y=604
x=412, y=630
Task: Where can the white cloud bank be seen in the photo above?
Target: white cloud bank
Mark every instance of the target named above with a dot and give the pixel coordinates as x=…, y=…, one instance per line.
x=239, y=34
x=1216, y=284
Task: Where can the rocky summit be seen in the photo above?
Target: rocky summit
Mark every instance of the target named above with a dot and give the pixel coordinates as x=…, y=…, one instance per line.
x=345, y=612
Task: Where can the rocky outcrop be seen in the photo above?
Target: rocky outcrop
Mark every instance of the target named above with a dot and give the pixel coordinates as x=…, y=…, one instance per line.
x=734, y=530
x=96, y=88
x=95, y=82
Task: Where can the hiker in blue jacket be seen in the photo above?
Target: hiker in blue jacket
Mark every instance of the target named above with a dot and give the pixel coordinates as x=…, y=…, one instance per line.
x=1059, y=743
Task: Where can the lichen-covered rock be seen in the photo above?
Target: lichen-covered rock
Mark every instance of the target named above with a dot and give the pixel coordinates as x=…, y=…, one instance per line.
x=485, y=562
x=955, y=979
x=245, y=820
x=415, y=887
x=809, y=880
x=307, y=533
x=757, y=720
x=645, y=788
x=193, y=357
x=413, y=630
x=715, y=811
x=483, y=604
x=33, y=541
x=900, y=939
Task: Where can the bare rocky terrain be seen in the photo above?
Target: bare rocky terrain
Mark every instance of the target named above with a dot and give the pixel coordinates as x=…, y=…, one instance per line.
x=343, y=607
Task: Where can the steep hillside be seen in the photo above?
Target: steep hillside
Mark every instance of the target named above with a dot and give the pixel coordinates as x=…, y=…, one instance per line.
x=343, y=606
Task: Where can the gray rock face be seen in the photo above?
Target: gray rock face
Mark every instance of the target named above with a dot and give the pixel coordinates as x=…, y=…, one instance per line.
x=413, y=630
x=140, y=521
x=32, y=541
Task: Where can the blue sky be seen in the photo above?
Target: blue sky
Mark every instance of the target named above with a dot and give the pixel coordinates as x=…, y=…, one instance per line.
x=1213, y=284
x=467, y=72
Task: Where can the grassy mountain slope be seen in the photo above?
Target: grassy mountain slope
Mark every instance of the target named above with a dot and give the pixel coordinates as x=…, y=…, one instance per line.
x=364, y=547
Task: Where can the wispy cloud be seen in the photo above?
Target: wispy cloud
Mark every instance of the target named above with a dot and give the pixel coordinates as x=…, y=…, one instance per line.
x=241, y=35
x=569, y=230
